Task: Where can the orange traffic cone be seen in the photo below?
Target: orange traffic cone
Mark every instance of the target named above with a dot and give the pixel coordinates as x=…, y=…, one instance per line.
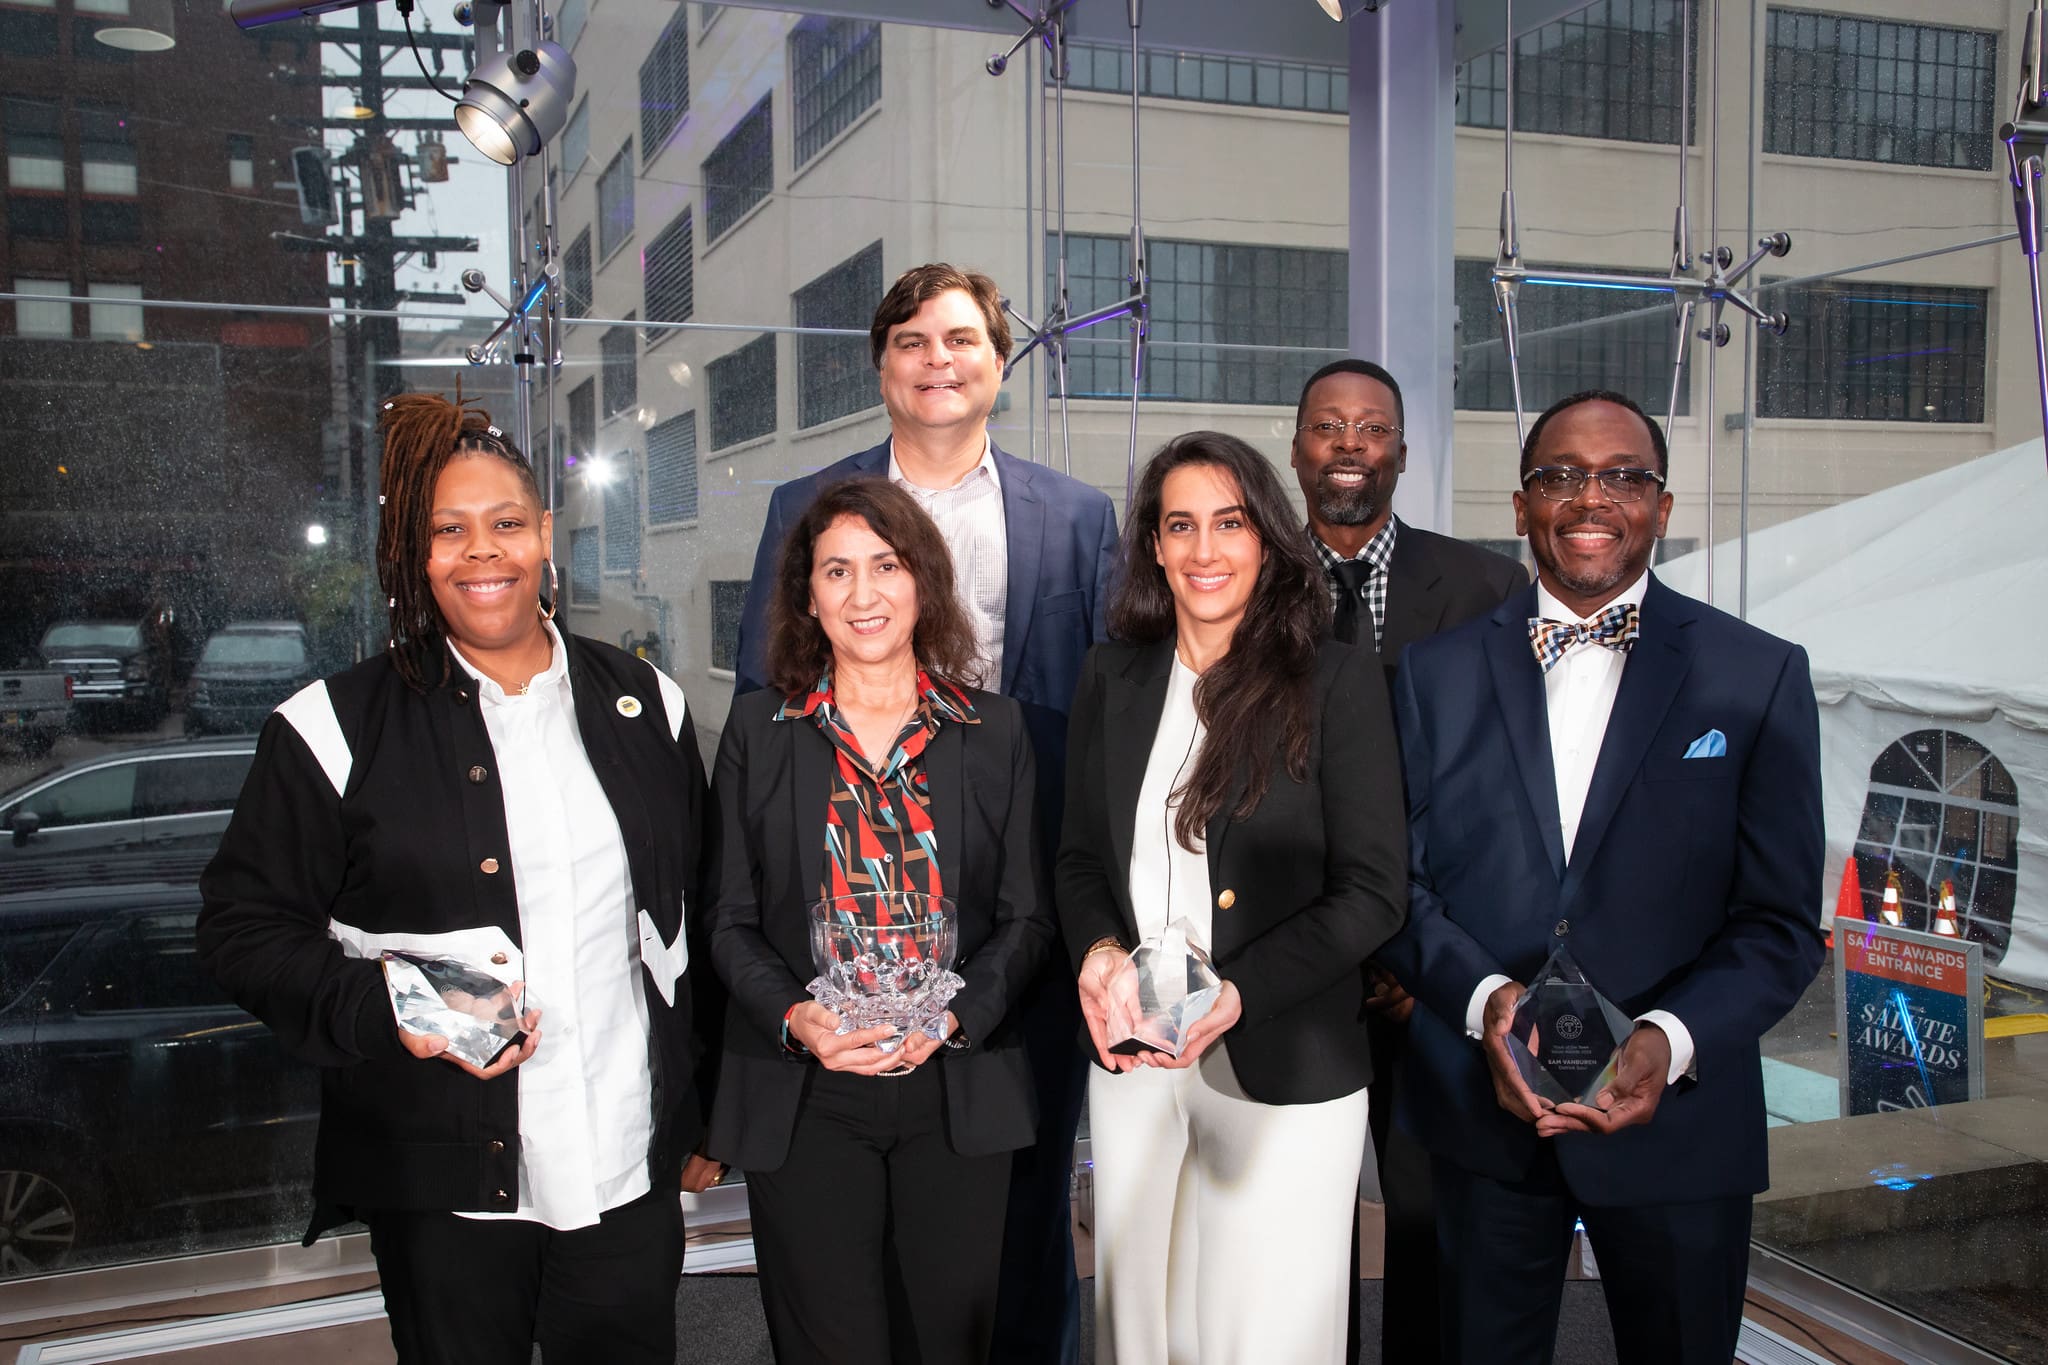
x=1945, y=912
x=1849, y=900
x=1889, y=912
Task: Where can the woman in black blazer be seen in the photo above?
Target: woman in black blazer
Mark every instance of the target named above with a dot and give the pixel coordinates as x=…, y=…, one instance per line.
x=866, y=765
x=1230, y=769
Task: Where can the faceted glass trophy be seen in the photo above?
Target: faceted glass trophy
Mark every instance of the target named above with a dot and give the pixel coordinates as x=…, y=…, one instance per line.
x=476, y=1012
x=1159, y=991
x=885, y=958
x=1565, y=1035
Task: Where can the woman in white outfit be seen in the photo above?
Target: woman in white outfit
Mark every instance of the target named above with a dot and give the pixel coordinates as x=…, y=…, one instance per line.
x=1230, y=767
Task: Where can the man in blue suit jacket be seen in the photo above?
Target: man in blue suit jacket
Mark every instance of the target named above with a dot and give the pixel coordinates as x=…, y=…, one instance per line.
x=1032, y=551
x=1606, y=763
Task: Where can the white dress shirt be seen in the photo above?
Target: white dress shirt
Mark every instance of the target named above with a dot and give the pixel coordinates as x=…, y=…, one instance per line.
x=970, y=517
x=586, y=1109
x=1167, y=881
x=1578, y=694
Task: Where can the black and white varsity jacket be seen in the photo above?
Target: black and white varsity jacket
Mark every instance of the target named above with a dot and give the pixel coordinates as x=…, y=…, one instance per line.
x=373, y=813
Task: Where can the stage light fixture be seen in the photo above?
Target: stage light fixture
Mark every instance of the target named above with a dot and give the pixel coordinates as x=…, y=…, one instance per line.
x=1335, y=8
x=514, y=102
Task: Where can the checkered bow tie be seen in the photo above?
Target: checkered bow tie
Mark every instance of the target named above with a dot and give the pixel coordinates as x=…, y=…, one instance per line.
x=1615, y=627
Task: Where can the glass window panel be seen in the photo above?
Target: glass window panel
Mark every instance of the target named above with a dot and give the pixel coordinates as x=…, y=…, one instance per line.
x=665, y=85
x=740, y=172
x=743, y=393
x=671, y=274
x=835, y=68
x=620, y=347
x=672, y=471
x=42, y=319
x=1608, y=71
x=1571, y=339
x=615, y=202
x=1816, y=93
x=835, y=375
x=622, y=514
x=118, y=321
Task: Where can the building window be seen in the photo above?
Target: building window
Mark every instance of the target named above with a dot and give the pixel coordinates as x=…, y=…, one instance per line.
x=1879, y=90
x=576, y=282
x=569, y=20
x=576, y=141
x=619, y=352
x=615, y=203
x=743, y=393
x=707, y=16
x=1214, y=80
x=728, y=601
x=582, y=421
x=740, y=172
x=1875, y=353
x=835, y=73
x=670, y=271
x=114, y=320
x=29, y=35
x=35, y=146
x=38, y=318
x=665, y=85
x=672, y=471
x=106, y=153
x=586, y=586
x=622, y=515
x=1942, y=808
x=835, y=375
x=1610, y=70
x=1571, y=339
x=241, y=162
x=1232, y=323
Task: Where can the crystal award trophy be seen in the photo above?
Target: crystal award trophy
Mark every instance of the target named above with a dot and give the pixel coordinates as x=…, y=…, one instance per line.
x=1159, y=991
x=1565, y=1035
x=474, y=1010
x=885, y=958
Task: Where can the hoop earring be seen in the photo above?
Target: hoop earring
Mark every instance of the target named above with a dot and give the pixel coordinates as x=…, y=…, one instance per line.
x=554, y=593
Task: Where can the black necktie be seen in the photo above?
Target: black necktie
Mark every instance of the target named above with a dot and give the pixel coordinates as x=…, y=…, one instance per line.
x=1353, y=621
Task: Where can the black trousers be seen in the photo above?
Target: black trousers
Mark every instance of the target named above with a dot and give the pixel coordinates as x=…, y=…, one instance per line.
x=1038, y=1309
x=1674, y=1274
x=1408, y=1292
x=878, y=1244
x=466, y=1291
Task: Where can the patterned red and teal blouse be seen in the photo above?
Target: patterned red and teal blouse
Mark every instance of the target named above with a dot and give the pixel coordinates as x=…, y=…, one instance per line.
x=878, y=829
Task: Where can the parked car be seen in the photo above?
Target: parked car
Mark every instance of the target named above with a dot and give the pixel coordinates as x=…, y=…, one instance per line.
x=35, y=707
x=139, y=1108
x=119, y=669
x=243, y=673
x=170, y=795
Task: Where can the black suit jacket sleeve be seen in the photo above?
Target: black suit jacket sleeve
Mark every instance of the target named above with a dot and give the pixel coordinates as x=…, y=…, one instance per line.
x=263, y=930
x=1365, y=869
x=761, y=983
x=997, y=972
x=1082, y=890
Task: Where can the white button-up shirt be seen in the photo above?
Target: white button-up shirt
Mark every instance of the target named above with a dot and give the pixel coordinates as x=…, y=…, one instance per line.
x=1578, y=696
x=970, y=517
x=586, y=1109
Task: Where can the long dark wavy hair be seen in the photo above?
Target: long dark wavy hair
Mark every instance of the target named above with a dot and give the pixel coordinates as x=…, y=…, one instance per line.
x=943, y=639
x=422, y=432
x=1259, y=698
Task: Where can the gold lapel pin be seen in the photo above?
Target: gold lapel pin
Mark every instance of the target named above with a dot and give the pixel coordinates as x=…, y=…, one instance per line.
x=1227, y=899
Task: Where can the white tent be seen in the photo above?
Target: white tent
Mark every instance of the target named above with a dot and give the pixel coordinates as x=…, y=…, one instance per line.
x=1922, y=607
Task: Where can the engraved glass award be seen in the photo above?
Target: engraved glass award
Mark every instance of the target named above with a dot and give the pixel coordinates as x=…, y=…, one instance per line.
x=475, y=1011
x=1159, y=991
x=1565, y=1035
x=886, y=958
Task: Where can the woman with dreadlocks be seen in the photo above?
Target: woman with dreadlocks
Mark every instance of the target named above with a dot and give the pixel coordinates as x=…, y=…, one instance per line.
x=492, y=790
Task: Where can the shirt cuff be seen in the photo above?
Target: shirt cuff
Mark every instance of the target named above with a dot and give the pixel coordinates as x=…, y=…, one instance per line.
x=1475, y=1012
x=1682, y=1058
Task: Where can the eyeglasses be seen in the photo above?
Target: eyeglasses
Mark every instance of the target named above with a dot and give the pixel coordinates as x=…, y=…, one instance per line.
x=1367, y=431
x=1564, y=483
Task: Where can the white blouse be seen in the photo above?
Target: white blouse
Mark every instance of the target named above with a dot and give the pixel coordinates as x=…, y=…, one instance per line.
x=1167, y=881
x=586, y=1110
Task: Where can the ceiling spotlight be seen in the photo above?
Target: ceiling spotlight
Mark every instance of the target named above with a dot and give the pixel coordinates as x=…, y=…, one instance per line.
x=598, y=471
x=1335, y=8
x=355, y=108
x=516, y=101
x=150, y=28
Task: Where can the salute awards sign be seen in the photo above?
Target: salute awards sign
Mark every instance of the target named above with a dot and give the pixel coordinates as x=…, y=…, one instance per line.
x=1912, y=1023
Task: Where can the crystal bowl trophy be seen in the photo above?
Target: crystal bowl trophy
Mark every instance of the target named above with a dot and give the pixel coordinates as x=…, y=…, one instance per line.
x=1565, y=1035
x=477, y=1012
x=885, y=959
x=1159, y=991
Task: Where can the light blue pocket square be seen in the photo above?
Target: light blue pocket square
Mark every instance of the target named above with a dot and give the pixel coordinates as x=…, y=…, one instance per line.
x=1712, y=744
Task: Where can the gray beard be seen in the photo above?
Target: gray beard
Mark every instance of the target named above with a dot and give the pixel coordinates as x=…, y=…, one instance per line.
x=1349, y=509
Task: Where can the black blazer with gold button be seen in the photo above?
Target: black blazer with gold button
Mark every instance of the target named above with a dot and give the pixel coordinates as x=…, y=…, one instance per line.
x=771, y=785
x=1307, y=886
x=373, y=816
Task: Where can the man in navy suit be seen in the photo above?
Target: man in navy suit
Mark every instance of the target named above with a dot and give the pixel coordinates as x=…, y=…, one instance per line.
x=1032, y=553
x=1606, y=763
